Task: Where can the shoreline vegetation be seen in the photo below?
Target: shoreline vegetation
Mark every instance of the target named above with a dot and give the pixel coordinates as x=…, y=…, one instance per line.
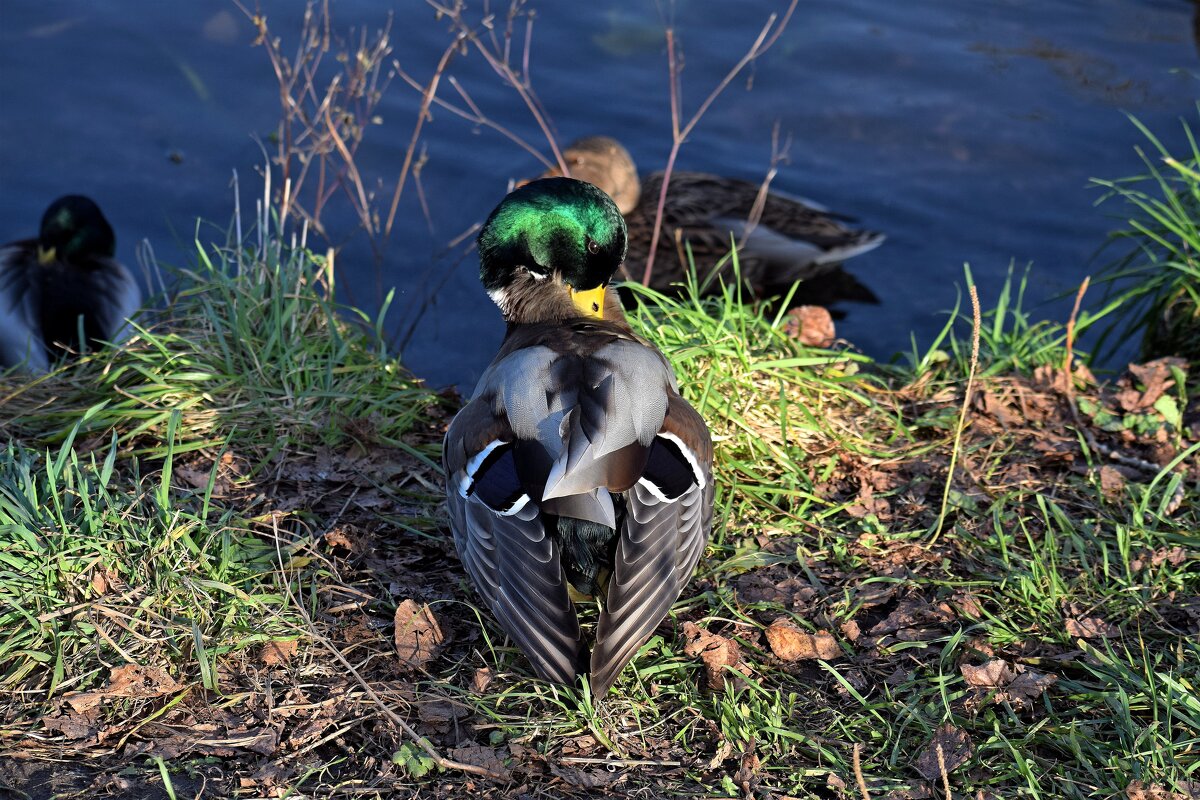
x=225, y=570
x=971, y=572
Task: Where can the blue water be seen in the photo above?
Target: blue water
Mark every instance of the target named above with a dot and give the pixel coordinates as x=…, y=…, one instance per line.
x=966, y=131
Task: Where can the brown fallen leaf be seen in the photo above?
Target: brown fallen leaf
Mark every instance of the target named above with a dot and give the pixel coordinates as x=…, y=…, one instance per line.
x=490, y=759
x=1091, y=628
x=993, y=674
x=1007, y=683
x=587, y=779
x=1137, y=790
x=127, y=681
x=418, y=637
x=482, y=679
x=278, y=651
x=791, y=643
x=956, y=750
x=1112, y=483
x=717, y=653
x=812, y=325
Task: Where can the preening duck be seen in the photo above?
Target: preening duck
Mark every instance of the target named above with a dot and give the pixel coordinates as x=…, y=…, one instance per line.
x=64, y=281
x=575, y=462
x=793, y=240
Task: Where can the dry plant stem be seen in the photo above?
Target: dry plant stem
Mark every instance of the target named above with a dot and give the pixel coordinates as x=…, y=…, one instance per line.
x=428, y=93
x=310, y=629
x=942, y=769
x=766, y=38
x=500, y=65
x=976, y=326
x=778, y=155
x=1070, y=355
x=858, y=773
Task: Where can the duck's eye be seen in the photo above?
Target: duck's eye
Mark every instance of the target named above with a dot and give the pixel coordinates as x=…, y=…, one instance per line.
x=593, y=246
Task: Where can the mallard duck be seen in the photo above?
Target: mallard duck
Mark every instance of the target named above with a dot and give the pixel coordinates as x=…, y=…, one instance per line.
x=793, y=240
x=575, y=463
x=51, y=283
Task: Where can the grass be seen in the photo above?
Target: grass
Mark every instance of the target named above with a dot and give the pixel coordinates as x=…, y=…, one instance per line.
x=1157, y=282
x=204, y=537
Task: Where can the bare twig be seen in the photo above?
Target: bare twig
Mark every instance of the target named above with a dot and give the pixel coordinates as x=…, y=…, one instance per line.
x=858, y=773
x=428, y=92
x=766, y=38
x=498, y=58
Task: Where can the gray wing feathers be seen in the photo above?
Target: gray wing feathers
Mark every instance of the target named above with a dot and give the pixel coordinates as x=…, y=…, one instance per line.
x=622, y=401
x=515, y=566
x=661, y=543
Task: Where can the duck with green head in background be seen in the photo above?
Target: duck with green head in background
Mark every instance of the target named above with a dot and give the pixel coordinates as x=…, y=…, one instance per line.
x=64, y=290
x=576, y=464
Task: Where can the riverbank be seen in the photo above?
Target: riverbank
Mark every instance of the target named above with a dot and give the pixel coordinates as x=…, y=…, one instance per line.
x=226, y=571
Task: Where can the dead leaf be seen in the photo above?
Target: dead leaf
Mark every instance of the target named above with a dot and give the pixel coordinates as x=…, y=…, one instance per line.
x=994, y=674
x=791, y=643
x=482, y=679
x=850, y=630
x=715, y=651
x=1006, y=683
x=278, y=651
x=812, y=325
x=1112, y=483
x=1137, y=790
x=418, y=635
x=486, y=757
x=956, y=750
x=127, y=681
x=587, y=779
x=1091, y=628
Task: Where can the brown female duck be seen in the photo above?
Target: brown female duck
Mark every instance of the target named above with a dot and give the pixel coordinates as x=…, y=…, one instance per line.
x=575, y=463
x=792, y=240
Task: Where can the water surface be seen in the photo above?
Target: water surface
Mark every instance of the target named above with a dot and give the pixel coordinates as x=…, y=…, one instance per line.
x=966, y=131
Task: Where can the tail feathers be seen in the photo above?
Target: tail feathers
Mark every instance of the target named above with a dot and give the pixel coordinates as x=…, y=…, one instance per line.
x=768, y=244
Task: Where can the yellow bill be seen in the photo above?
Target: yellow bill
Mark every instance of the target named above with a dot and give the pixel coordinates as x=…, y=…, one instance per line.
x=590, y=301
x=47, y=255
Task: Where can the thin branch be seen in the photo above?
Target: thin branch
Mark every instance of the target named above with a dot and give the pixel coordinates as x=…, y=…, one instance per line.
x=766, y=38
x=427, y=95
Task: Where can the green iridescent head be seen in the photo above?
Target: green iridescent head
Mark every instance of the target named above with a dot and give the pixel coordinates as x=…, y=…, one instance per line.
x=74, y=231
x=557, y=229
